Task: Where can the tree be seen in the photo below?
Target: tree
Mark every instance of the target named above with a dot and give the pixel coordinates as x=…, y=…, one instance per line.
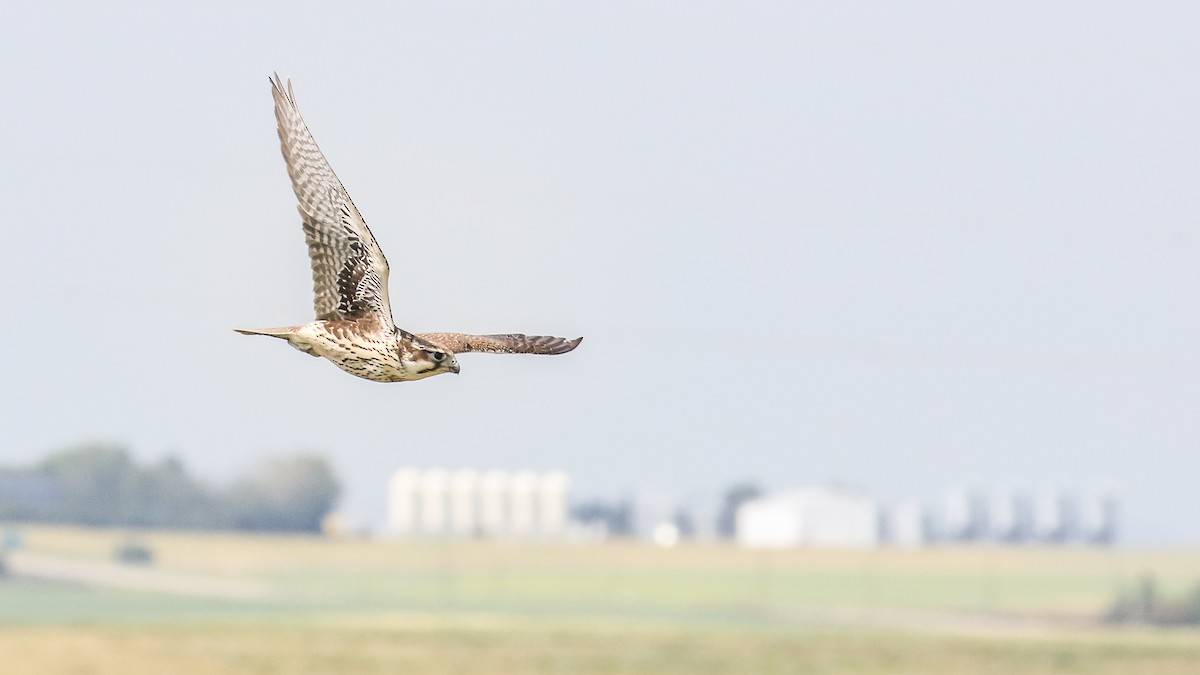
x=286, y=494
x=95, y=485
x=167, y=496
x=735, y=496
x=615, y=516
x=102, y=485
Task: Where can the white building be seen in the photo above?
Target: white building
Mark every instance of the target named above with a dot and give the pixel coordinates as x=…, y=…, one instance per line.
x=817, y=517
x=906, y=524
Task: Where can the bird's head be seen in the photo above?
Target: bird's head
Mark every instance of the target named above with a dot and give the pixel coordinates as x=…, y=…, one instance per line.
x=430, y=359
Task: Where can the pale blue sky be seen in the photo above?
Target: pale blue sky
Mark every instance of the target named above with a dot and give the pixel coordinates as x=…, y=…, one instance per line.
x=905, y=247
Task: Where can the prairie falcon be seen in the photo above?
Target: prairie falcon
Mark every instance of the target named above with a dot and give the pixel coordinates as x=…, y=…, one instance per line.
x=354, y=327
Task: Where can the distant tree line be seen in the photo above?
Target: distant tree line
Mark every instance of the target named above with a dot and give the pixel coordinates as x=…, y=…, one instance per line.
x=615, y=517
x=104, y=486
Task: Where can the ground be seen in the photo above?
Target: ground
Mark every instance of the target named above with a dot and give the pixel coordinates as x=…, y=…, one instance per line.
x=224, y=603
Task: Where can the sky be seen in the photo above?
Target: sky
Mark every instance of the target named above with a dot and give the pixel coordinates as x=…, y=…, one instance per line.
x=907, y=248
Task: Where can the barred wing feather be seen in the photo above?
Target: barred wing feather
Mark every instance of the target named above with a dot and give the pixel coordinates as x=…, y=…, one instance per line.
x=510, y=343
x=350, y=273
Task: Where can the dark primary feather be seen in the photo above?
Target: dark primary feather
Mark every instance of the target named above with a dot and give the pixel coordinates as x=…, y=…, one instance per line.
x=350, y=272
x=511, y=343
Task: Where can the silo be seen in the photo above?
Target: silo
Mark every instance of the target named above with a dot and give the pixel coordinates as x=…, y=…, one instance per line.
x=433, y=485
x=906, y=524
x=403, y=507
x=521, y=504
x=1023, y=511
x=1049, y=524
x=1003, y=517
x=1068, y=507
x=552, y=503
x=979, y=515
x=464, y=503
x=1009, y=517
x=956, y=516
x=493, y=503
x=1098, y=518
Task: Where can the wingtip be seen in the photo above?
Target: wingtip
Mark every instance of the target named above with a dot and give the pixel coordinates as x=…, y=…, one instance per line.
x=280, y=91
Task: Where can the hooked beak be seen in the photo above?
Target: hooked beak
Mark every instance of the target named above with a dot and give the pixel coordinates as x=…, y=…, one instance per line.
x=454, y=367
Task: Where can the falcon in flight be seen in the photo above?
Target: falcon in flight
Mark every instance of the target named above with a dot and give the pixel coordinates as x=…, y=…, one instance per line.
x=354, y=327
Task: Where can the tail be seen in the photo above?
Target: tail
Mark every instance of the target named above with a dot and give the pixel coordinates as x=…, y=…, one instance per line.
x=271, y=332
x=286, y=333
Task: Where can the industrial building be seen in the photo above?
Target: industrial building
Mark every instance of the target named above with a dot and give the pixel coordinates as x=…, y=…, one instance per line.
x=809, y=517
x=533, y=505
x=436, y=503
x=843, y=518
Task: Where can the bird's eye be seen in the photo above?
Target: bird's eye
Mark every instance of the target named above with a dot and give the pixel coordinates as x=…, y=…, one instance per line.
x=437, y=356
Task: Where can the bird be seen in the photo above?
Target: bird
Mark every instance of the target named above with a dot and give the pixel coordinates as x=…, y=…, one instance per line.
x=354, y=328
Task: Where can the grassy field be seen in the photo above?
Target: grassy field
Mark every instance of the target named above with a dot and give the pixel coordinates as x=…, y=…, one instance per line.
x=475, y=644
x=366, y=607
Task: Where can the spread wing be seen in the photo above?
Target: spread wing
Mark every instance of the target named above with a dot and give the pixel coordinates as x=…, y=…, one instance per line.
x=512, y=343
x=350, y=274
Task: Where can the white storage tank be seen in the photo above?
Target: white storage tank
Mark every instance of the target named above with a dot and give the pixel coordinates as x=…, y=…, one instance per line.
x=1051, y=519
x=521, y=504
x=493, y=503
x=552, y=503
x=433, y=516
x=464, y=503
x=1098, y=518
x=403, y=507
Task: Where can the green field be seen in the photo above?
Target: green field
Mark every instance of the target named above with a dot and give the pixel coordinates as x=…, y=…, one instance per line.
x=226, y=603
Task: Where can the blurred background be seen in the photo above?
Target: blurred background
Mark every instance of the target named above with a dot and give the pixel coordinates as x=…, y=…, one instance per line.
x=890, y=358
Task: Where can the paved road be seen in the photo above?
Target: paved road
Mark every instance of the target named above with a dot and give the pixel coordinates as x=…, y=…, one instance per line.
x=27, y=565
